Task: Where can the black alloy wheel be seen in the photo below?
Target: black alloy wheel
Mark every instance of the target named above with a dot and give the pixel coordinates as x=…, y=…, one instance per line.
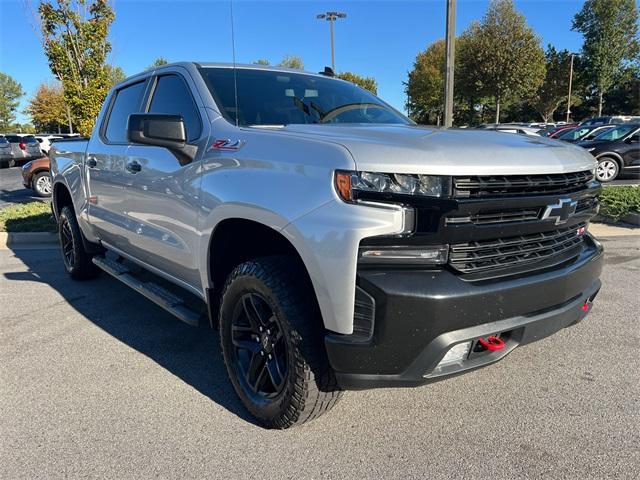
x=260, y=349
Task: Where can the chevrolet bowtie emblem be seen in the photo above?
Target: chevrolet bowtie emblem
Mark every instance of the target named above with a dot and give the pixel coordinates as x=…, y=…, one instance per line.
x=561, y=211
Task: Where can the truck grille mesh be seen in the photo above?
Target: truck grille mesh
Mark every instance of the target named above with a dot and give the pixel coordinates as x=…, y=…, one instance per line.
x=488, y=255
x=503, y=185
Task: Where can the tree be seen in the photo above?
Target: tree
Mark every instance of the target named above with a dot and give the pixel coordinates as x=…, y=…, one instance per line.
x=425, y=85
x=292, y=61
x=261, y=61
x=10, y=94
x=610, y=31
x=158, y=62
x=115, y=74
x=75, y=42
x=505, y=55
x=554, y=90
x=368, y=83
x=47, y=108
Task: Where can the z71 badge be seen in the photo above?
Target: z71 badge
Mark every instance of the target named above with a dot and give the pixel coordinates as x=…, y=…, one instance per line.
x=227, y=144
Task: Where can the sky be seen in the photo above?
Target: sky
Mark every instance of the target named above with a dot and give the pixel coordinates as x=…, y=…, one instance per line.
x=378, y=38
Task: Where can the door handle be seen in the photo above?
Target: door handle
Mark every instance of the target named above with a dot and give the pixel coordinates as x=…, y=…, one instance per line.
x=133, y=167
x=92, y=162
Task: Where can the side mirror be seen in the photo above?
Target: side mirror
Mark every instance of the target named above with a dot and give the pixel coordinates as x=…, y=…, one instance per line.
x=161, y=130
x=634, y=138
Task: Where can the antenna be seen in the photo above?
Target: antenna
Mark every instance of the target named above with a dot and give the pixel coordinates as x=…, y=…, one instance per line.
x=233, y=50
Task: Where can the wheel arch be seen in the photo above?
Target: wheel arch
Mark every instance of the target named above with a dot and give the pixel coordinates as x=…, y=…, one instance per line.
x=235, y=240
x=60, y=197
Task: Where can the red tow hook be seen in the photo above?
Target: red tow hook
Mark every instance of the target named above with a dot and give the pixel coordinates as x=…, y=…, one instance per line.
x=492, y=343
x=585, y=307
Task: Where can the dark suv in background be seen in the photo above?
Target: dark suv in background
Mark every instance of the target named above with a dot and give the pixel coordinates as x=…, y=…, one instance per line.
x=617, y=150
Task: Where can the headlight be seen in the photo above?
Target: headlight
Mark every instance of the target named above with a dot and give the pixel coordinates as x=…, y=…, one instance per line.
x=404, y=255
x=351, y=185
x=27, y=166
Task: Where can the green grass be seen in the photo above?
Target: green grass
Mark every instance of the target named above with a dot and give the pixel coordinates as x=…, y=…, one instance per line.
x=27, y=217
x=616, y=202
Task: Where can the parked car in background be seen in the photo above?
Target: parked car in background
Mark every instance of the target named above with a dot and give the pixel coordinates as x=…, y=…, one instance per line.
x=45, y=142
x=583, y=133
x=6, y=158
x=24, y=147
x=511, y=128
x=616, y=119
x=36, y=176
x=617, y=150
x=553, y=133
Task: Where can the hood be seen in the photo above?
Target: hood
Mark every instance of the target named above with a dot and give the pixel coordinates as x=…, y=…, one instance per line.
x=435, y=151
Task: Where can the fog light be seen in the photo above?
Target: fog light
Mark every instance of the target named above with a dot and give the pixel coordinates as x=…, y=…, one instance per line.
x=456, y=354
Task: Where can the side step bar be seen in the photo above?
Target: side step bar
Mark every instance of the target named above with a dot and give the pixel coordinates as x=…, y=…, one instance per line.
x=154, y=292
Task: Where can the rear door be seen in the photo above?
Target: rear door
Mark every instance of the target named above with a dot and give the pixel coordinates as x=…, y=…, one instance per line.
x=163, y=194
x=630, y=151
x=104, y=167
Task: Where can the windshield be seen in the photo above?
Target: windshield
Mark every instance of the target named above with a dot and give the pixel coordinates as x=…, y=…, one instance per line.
x=615, y=133
x=268, y=97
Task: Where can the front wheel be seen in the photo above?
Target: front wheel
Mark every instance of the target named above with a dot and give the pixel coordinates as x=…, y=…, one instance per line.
x=76, y=260
x=42, y=184
x=272, y=342
x=607, y=169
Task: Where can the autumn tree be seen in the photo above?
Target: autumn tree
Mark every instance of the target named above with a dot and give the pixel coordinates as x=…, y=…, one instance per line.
x=75, y=42
x=425, y=85
x=47, y=108
x=610, y=31
x=292, y=61
x=261, y=61
x=158, y=62
x=505, y=55
x=368, y=83
x=115, y=75
x=10, y=94
x=554, y=89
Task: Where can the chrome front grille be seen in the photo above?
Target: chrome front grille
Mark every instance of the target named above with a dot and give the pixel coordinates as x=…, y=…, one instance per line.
x=489, y=255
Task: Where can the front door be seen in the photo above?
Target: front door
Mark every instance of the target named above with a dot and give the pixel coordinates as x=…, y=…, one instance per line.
x=162, y=194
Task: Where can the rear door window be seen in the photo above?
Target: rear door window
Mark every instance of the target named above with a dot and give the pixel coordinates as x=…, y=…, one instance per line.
x=127, y=101
x=172, y=96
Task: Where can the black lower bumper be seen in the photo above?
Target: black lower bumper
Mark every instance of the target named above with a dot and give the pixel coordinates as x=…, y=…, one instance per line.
x=420, y=315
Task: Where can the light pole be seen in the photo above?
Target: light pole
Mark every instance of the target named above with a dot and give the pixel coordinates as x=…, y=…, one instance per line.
x=570, y=84
x=331, y=17
x=450, y=55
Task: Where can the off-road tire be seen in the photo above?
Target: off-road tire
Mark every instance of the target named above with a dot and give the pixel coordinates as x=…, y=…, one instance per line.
x=310, y=388
x=78, y=264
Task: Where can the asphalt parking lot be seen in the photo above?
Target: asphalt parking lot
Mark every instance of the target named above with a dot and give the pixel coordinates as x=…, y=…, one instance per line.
x=97, y=382
x=12, y=190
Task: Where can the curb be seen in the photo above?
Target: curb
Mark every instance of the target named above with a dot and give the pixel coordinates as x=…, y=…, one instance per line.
x=605, y=230
x=28, y=239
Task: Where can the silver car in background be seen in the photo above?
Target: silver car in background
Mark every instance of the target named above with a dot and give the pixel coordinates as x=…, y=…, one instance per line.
x=24, y=147
x=6, y=158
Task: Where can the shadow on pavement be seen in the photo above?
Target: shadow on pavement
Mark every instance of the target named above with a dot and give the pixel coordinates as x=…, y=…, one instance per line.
x=191, y=354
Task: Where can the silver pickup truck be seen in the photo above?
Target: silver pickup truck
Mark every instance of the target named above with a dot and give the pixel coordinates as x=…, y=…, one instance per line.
x=335, y=244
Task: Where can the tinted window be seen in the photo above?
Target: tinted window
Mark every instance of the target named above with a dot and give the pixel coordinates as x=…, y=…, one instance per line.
x=616, y=133
x=29, y=139
x=127, y=101
x=172, y=96
x=3, y=140
x=267, y=97
x=14, y=138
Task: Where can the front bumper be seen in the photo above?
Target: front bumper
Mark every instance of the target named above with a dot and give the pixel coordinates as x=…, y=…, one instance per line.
x=420, y=315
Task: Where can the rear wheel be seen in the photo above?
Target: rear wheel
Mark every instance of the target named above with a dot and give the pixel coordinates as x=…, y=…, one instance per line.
x=76, y=259
x=273, y=346
x=42, y=184
x=607, y=169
